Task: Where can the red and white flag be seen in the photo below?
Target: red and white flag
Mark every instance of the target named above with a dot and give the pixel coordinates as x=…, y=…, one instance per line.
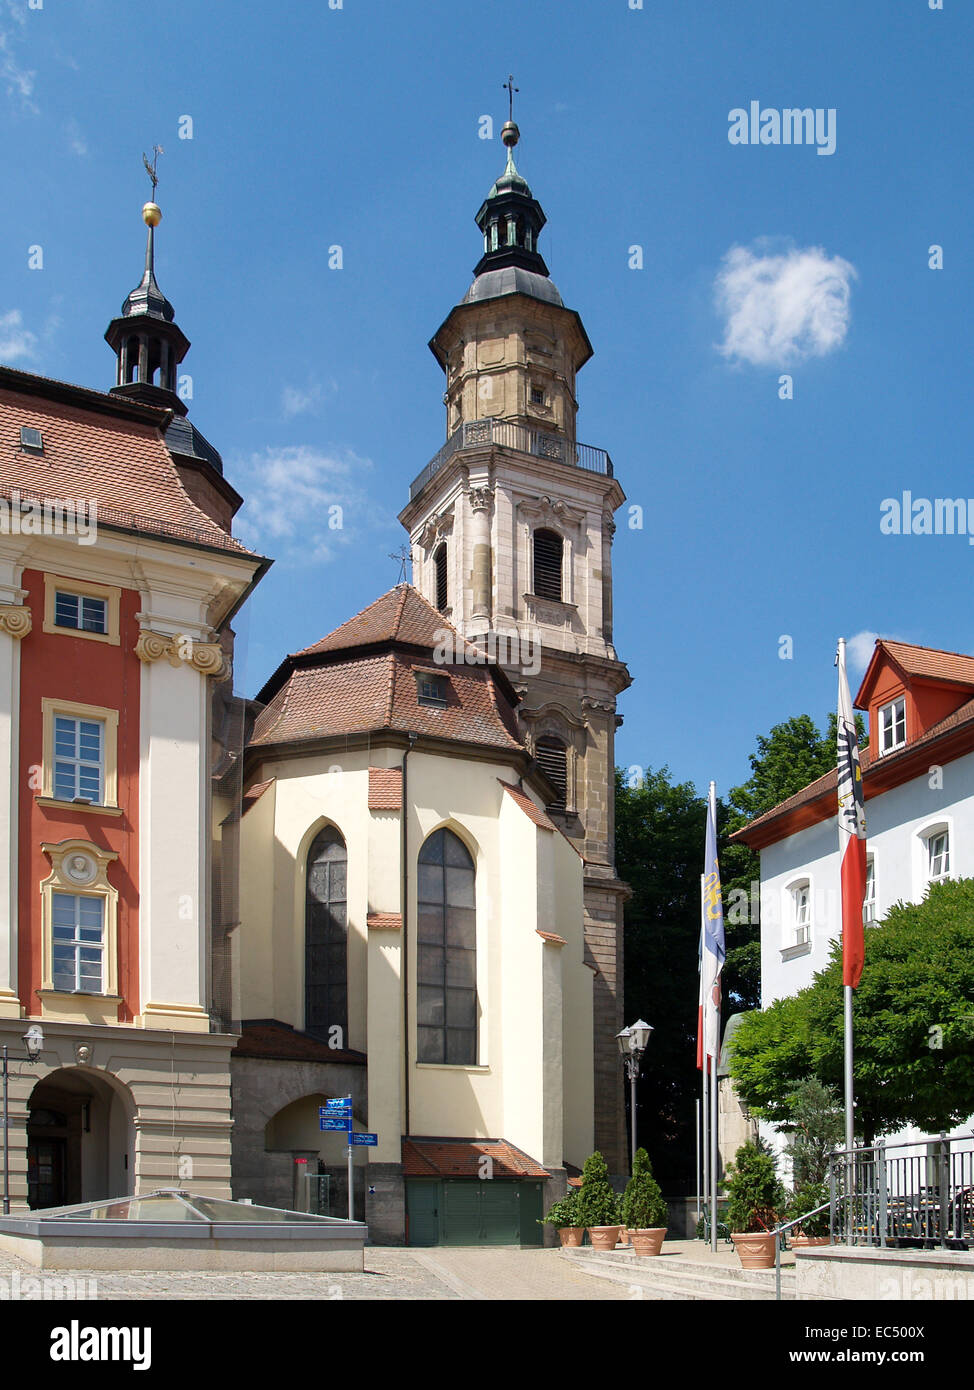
x=852, y=834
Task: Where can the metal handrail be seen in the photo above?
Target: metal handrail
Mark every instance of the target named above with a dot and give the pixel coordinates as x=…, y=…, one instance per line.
x=786, y=1226
x=473, y=434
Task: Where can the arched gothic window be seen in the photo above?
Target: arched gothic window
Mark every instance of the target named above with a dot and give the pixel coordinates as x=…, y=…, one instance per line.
x=446, y=952
x=552, y=758
x=326, y=936
x=548, y=549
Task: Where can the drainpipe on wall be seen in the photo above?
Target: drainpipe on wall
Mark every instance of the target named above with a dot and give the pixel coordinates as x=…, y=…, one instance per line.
x=405, y=936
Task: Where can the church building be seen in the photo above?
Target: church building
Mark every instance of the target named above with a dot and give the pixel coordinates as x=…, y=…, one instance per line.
x=430, y=917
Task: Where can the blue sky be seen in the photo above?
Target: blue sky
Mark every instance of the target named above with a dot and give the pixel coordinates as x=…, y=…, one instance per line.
x=358, y=127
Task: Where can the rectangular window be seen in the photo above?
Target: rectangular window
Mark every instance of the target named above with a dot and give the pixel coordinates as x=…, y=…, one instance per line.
x=80, y=611
x=78, y=943
x=79, y=759
x=869, y=901
x=31, y=440
x=431, y=690
x=802, y=917
x=892, y=726
x=938, y=857
x=537, y=395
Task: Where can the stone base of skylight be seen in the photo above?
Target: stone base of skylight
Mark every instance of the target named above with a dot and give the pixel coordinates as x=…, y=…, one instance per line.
x=336, y=1255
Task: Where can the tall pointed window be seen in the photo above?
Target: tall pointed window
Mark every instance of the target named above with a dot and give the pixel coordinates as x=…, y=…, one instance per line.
x=446, y=952
x=548, y=547
x=326, y=936
x=439, y=573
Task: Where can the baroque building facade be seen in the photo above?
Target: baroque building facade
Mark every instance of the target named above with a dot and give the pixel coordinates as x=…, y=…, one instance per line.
x=511, y=528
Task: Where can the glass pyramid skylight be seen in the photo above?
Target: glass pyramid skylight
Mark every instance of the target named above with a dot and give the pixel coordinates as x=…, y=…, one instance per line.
x=169, y=1204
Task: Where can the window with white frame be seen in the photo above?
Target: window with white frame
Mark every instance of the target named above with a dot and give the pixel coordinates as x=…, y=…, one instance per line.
x=869, y=901
x=78, y=943
x=801, y=896
x=80, y=611
x=79, y=758
x=938, y=855
x=892, y=726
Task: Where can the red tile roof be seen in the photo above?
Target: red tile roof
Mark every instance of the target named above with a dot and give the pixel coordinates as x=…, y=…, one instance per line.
x=384, y=921
x=267, y=1038
x=530, y=809
x=385, y=788
x=551, y=936
x=96, y=452
x=353, y=688
x=461, y=1158
x=930, y=663
x=878, y=774
x=253, y=794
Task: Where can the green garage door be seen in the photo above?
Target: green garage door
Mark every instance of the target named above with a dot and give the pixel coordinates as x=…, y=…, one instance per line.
x=471, y=1211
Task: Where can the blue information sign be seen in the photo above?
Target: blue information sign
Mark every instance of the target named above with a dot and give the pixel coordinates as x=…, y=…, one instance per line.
x=335, y=1107
x=332, y=1122
x=363, y=1139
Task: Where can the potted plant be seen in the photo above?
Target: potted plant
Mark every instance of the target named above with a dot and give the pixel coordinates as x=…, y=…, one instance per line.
x=563, y=1215
x=814, y=1230
x=755, y=1197
x=598, y=1205
x=643, y=1209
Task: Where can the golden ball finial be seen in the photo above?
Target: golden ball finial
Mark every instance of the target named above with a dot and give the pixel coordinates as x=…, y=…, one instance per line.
x=152, y=214
x=510, y=134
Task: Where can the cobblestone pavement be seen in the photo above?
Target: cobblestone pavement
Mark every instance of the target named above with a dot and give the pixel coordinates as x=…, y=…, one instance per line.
x=441, y=1274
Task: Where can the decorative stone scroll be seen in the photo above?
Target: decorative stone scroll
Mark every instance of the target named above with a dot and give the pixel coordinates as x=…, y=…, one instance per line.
x=15, y=619
x=206, y=657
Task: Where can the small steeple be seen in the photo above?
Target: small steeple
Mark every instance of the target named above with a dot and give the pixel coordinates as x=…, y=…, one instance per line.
x=510, y=218
x=145, y=338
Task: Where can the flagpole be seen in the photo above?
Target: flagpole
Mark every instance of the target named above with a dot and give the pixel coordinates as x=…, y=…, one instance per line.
x=699, y=1158
x=704, y=1068
x=714, y=1087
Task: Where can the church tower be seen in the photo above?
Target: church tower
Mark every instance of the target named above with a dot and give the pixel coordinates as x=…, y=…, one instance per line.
x=511, y=528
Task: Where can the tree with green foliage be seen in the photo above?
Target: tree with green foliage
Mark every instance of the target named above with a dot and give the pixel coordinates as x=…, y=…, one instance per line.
x=756, y=1196
x=659, y=851
x=597, y=1203
x=815, y=1128
x=643, y=1207
x=914, y=1024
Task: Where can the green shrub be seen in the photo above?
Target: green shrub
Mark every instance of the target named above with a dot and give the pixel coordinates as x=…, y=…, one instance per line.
x=563, y=1213
x=598, y=1205
x=642, y=1204
x=806, y=1198
x=755, y=1194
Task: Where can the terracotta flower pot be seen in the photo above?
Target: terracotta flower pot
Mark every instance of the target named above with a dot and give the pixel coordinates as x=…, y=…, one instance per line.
x=571, y=1235
x=755, y=1249
x=624, y=1235
x=648, y=1241
x=800, y=1242
x=604, y=1237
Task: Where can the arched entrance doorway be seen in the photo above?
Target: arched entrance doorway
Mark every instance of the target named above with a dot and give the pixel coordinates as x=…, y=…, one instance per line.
x=80, y=1139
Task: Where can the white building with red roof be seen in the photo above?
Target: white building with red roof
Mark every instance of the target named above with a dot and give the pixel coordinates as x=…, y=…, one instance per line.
x=918, y=782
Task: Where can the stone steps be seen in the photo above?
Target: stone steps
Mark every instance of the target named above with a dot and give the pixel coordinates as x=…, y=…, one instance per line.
x=670, y=1278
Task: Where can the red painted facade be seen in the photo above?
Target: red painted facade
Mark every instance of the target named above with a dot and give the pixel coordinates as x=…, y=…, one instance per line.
x=66, y=667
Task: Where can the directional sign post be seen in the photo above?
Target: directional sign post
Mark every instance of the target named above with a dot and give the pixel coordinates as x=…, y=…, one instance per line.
x=370, y=1139
x=336, y=1115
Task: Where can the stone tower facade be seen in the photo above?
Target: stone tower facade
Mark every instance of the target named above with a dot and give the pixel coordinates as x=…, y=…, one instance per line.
x=511, y=528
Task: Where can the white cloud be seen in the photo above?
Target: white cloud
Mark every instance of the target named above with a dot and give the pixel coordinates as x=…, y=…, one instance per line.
x=296, y=402
x=781, y=308
x=16, y=341
x=301, y=502
x=18, y=81
x=859, y=650
x=76, y=138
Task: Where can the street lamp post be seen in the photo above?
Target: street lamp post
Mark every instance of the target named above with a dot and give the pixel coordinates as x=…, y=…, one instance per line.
x=34, y=1042
x=633, y=1042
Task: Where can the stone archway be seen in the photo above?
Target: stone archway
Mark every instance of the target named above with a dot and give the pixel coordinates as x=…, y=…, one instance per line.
x=80, y=1138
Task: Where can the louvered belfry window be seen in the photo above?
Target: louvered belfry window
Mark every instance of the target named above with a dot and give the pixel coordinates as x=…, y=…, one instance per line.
x=548, y=546
x=552, y=757
x=439, y=565
x=326, y=937
x=446, y=952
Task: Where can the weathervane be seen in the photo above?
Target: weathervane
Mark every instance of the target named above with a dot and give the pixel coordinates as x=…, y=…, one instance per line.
x=510, y=89
x=150, y=169
x=402, y=557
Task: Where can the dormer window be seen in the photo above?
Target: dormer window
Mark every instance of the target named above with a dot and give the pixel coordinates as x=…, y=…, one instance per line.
x=892, y=726
x=31, y=440
x=431, y=689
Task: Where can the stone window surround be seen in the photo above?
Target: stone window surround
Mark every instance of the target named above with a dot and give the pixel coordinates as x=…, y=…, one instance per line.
x=54, y=584
x=109, y=719
x=94, y=885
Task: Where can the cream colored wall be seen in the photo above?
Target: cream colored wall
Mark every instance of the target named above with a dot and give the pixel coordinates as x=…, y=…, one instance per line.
x=526, y=877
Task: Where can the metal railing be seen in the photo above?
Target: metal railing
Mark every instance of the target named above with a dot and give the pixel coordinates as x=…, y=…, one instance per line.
x=779, y=1231
x=890, y=1196
x=479, y=434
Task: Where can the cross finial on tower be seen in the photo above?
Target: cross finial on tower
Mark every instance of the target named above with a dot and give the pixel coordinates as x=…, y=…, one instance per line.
x=510, y=89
